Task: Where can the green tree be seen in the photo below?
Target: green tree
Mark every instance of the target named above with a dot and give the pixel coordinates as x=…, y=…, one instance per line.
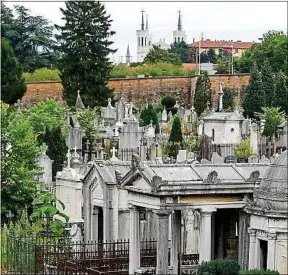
x=268, y=82
x=203, y=93
x=273, y=47
x=147, y=115
x=12, y=82
x=84, y=42
x=158, y=55
x=31, y=38
x=273, y=118
x=46, y=115
x=212, y=56
x=204, y=58
x=176, y=132
x=43, y=74
x=223, y=64
x=254, y=97
x=192, y=55
x=87, y=119
x=48, y=217
x=228, y=98
x=281, y=93
x=180, y=48
x=57, y=148
x=18, y=167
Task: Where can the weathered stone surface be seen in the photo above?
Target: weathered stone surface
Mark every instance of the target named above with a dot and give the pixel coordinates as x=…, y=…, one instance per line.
x=142, y=90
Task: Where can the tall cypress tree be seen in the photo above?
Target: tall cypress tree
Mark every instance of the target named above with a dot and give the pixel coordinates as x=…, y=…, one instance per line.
x=281, y=94
x=147, y=115
x=203, y=93
x=176, y=132
x=57, y=148
x=254, y=97
x=84, y=42
x=12, y=82
x=268, y=82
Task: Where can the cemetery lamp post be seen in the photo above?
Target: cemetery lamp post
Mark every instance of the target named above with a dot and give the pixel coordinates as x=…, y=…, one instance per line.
x=232, y=60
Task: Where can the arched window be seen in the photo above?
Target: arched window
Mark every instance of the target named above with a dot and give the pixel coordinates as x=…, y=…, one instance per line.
x=178, y=39
x=182, y=39
x=139, y=41
x=213, y=134
x=149, y=43
x=175, y=40
x=142, y=41
x=145, y=41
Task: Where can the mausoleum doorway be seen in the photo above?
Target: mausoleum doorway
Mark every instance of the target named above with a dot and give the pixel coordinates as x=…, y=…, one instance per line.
x=226, y=239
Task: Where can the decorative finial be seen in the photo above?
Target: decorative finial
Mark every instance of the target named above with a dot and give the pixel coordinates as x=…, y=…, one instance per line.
x=109, y=102
x=208, y=104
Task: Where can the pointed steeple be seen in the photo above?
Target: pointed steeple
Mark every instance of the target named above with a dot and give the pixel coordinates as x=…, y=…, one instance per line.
x=146, y=21
x=179, y=21
x=128, y=56
x=142, y=22
x=79, y=103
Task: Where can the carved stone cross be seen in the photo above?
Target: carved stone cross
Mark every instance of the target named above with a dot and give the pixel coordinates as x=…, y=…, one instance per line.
x=113, y=151
x=207, y=104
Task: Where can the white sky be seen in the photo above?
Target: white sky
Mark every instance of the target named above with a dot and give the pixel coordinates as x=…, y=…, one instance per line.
x=245, y=21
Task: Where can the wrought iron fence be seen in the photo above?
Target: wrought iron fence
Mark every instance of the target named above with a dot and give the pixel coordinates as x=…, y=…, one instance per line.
x=53, y=255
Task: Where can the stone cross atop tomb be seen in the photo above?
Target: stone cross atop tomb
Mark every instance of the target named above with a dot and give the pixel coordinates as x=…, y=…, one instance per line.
x=221, y=93
x=68, y=155
x=208, y=104
x=114, y=151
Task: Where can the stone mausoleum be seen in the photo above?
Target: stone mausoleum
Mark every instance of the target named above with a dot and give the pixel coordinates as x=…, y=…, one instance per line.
x=207, y=211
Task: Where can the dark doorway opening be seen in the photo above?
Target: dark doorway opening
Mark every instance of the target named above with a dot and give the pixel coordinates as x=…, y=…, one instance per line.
x=100, y=224
x=263, y=254
x=226, y=239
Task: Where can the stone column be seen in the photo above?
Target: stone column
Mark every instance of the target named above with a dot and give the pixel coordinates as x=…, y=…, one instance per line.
x=176, y=240
x=87, y=213
x=162, y=241
x=252, y=248
x=206, y=235
x=134, y=240
x=271, y=250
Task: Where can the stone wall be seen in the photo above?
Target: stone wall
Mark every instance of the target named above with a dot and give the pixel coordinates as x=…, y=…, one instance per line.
x=142, y=90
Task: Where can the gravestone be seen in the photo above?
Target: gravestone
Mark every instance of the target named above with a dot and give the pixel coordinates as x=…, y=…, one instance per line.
x=164, y=115
x=114, y=151
x=264, y=159
x=253, y=159
x=216, y=159
x=205, y=161
x=45, y=175
x=158, y=160
x=182, y=156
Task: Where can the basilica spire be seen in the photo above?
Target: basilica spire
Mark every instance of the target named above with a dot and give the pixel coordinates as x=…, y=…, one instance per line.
x=179, y=21
x=142, y=22
x=146, y=21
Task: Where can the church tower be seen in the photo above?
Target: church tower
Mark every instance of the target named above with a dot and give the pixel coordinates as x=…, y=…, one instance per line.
x=144, y=40
x=179, y=35
x=128, y=57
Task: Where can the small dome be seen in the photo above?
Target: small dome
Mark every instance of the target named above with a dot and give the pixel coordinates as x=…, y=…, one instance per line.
x=272, y=193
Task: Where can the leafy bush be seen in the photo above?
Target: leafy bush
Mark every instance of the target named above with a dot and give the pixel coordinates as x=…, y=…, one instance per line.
x=168, y=101
x=259, y=272
x=219, y=267
x=243, y=149
x=159, y=69
x=43, y=74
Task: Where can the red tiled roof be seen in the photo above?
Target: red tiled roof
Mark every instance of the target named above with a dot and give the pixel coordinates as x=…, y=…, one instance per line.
x=223, y=44
x=189, y=66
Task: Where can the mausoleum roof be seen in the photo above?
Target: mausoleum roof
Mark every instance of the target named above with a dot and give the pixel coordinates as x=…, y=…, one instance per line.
x=272, y=193
x=234, y=116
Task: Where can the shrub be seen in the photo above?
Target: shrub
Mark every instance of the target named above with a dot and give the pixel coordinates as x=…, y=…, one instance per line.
x=259, y=272
x=176, y=131
x=168, y=101
x=43, y=74
x=243, y=149
x=219, y=267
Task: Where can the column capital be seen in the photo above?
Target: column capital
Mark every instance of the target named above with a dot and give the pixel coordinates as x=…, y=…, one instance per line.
x=252, y=232
x=163, y=213
x=133, y=208
x=272, y=236
x=207, y=210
